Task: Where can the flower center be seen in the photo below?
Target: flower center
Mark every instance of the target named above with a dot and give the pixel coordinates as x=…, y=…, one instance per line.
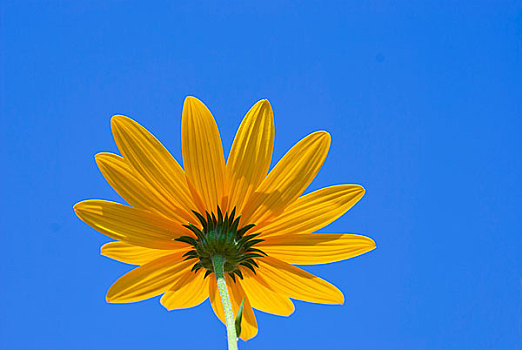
x=221, y=236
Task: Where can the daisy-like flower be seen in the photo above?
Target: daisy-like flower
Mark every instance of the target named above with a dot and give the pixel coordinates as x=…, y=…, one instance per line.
x=232, y=220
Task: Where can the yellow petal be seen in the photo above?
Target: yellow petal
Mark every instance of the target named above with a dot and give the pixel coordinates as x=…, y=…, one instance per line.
x=320, y=248
x=296, y=283
x=133, y=188
x=263, y=298
x=132, y=254
x=153, y=162
x=251, y=153
x=289, y=178
x=148, y=280
x=215, y=299
x=131, y=225
x=202, y=152
x=189, y=291
x=248, y=321
x=236, y=294
x=314, y=210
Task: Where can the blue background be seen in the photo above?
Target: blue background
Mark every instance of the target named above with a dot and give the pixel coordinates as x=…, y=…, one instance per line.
x=423, y=101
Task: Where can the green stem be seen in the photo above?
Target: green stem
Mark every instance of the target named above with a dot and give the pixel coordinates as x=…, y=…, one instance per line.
x=219, y=270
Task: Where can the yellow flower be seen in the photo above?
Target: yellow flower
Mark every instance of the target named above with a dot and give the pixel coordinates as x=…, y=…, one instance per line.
x=257, y=220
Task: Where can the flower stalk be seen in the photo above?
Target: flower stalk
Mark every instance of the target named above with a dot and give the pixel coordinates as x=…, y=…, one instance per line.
x=219, y=269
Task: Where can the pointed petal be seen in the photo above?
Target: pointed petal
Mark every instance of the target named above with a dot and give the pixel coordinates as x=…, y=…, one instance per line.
x=248, y=322
x=133, y=188
x=236, y=294
x=314, y=211
x=132, y=254
x=289, y=178
x=263, y=298
x=320, y=248
x=189, y=291
x=296, y=283
x=215, y=299
x=130, y=225
x=202, y=152
x=153, y=162
x=148, y=280
x=251, y=153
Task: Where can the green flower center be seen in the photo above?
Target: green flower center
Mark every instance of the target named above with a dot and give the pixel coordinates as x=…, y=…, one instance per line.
x=221, y=236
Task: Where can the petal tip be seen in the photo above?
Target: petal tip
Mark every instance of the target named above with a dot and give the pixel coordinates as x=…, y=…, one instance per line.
x=361, y=190
x=191, y=100
x=108, y=298
x=117, y=119
x=101, y=157
x=84, y=205
x=194, y=108
x=265, y=103
x=103, y=249
x=112, y=296
x=289, y=312
x=78, y=207
x=248, y=337
x=163, y=302
x=323, y=136
x=340, y=299
x=117, y=123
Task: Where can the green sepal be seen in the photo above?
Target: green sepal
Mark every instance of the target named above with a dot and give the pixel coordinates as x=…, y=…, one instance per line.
x=253, y=255
x=220, y=234
x=235, y=224
x=244, y=230
x=188, y=240
x=250, y=236
x=190, y=255
x=210, y=222
x=201, y=219
x=190, y=258
x=257, y=250
x=253, y=262
x=232, y=214
x=249, y=265
x=220, y=216
x=252, y=242
x=239, y=317
x=196, y=231
x=196, y=267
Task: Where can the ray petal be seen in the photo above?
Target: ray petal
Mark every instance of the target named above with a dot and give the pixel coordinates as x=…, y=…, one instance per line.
x=148, y=280
x=153, y=162
x=215, y=299
x=131, y=225
x=133, y=254
x=263, y=298
x=133, y=188
x=248, y=322
x=202, y=152
x=189, y=291
x=251, y=153
x=313, y=211
x=320, y=248
x=297, y=283
x=289, y=178
x=236, y=294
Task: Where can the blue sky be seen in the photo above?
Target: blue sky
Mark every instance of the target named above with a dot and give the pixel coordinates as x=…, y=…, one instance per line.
x=423, y=102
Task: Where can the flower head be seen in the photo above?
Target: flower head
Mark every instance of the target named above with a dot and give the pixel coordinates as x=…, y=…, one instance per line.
x=258, y=221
